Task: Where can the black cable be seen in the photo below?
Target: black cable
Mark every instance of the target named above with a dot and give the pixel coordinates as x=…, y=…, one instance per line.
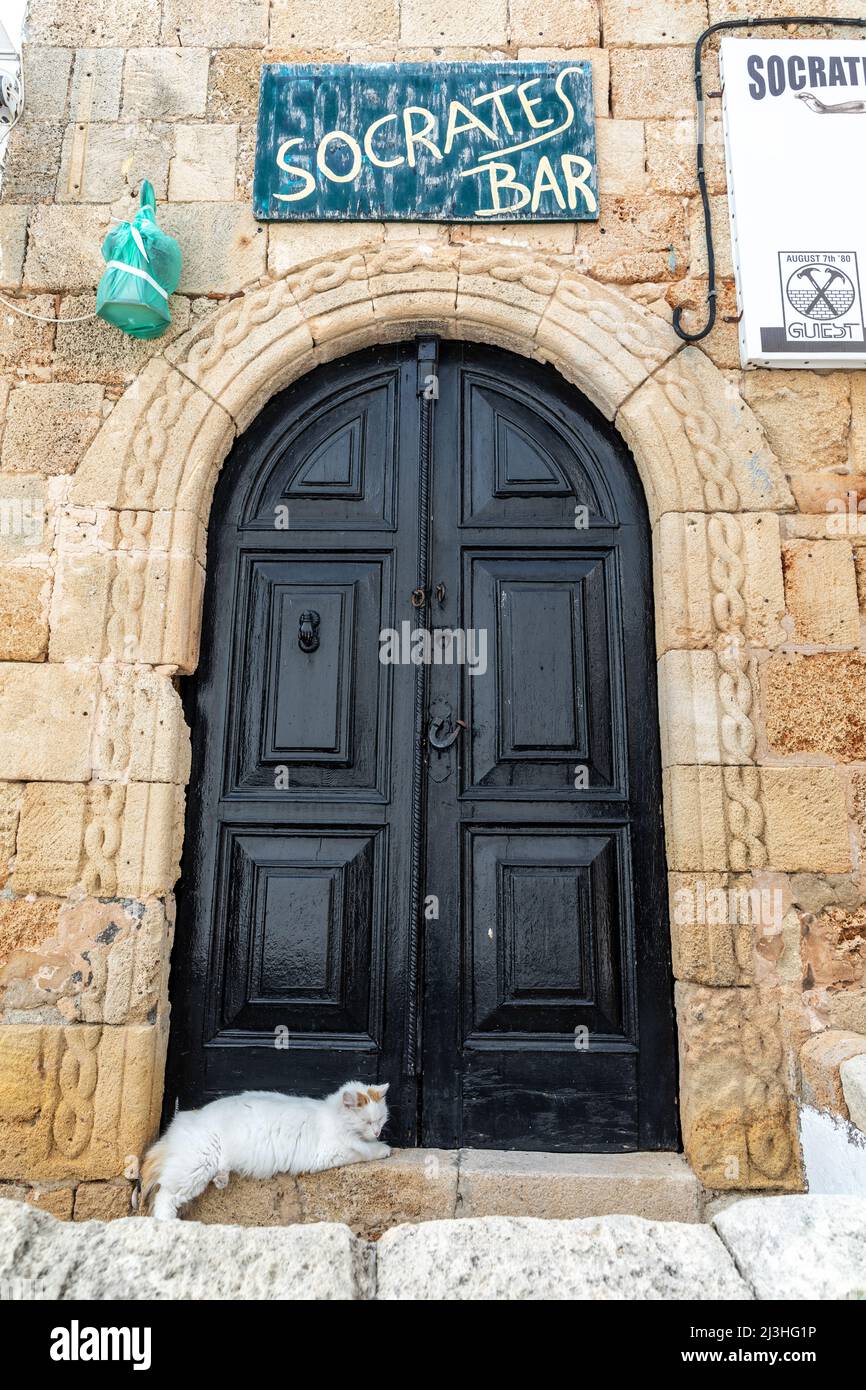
x=702, y=178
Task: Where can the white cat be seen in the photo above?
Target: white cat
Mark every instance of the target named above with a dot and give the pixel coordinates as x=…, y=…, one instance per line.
x=258, y=1134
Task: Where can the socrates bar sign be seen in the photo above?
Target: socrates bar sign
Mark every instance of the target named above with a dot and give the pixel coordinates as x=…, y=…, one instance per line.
x=795, y=134
x=432, y=142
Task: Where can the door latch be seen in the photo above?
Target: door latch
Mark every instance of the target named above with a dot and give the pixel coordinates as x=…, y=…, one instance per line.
x=442, y=732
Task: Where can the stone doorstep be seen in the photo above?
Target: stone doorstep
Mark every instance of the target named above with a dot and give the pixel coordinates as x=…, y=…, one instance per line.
x=417, y=1185
x=791, y=1247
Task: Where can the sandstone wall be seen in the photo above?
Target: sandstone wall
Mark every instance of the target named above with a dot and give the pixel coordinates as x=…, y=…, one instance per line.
x=108, y=453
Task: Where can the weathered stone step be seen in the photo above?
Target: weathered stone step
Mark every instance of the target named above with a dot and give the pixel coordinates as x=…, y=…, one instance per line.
x=775, y=1248
x=435, y=1184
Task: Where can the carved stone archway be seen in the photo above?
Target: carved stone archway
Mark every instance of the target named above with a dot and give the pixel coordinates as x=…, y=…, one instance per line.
x=130, y=571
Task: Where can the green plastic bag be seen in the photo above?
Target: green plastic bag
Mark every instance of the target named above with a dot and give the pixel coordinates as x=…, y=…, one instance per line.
x=143, y=269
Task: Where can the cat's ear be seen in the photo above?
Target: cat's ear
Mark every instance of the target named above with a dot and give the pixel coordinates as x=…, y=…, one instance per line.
x=352, y=1099
x=378, y=1092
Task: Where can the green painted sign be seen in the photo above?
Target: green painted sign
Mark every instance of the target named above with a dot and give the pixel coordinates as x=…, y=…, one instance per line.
x=431, y=142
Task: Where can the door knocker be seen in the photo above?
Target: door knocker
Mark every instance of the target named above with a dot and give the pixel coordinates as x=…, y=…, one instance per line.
x=308, y=631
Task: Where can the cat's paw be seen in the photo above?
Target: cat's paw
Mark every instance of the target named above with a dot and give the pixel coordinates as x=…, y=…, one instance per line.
x=380, y=1151
x=221, y=1180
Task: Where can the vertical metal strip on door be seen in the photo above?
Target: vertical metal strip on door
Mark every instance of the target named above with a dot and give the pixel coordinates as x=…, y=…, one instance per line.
x=426, y=390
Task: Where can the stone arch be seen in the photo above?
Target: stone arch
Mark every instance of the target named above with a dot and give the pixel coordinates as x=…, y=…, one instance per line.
x=696, y=444
x=132, y=549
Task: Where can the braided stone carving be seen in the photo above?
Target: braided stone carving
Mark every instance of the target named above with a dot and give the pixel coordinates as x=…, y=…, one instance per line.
x=150, y=441
x=744, y=813
x=512, y=268
x=76, y=1081
x=102, y=838
x=587, y=299
x=703, y=433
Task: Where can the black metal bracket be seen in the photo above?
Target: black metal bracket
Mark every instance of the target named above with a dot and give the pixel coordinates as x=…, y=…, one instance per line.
x=781, y=20
x=428, y=361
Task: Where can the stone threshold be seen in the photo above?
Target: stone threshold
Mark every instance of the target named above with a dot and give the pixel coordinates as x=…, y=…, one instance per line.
x=416, y=1185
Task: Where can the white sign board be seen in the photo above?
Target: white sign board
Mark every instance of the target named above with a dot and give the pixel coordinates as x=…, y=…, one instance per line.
x=795, y=138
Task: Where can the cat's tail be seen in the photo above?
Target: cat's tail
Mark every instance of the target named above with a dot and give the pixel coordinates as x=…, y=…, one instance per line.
x=151, y=1173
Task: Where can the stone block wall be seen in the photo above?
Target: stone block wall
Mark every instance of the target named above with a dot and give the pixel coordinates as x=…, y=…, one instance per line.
x=109, y=449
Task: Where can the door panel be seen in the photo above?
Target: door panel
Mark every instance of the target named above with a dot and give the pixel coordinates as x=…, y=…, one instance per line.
x=336, y=469
x=320, y=715
x=542, y=927
x=536, y=1099
x=480, y=923
x=544, y=707
x=512, y=448
x=301, y=914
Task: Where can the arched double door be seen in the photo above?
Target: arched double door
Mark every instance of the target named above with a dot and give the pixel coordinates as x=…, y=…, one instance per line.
x=424, y=839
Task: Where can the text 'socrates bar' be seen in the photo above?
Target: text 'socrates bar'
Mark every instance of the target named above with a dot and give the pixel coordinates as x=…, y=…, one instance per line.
x=436, y=142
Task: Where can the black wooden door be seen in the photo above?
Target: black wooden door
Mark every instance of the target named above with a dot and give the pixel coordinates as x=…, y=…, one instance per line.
x=424, y=838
